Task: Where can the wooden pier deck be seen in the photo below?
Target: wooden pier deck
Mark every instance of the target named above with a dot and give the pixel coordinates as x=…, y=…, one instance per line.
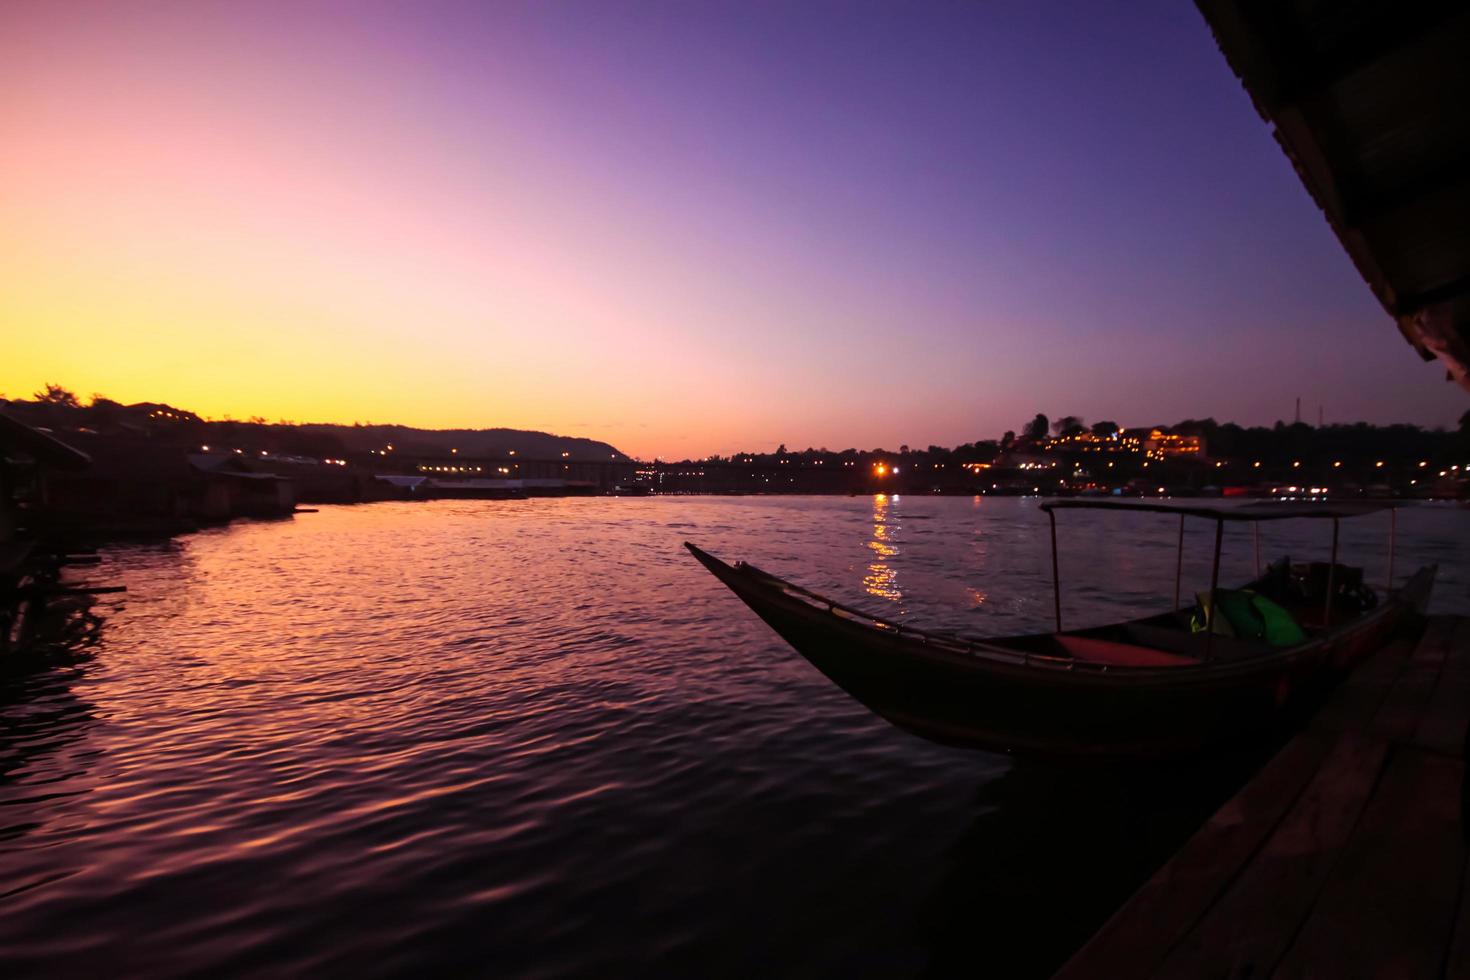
x=1345, y=856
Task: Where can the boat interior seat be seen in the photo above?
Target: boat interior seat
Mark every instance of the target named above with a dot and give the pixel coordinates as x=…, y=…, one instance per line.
x=1099, y=651
x=1193, y=645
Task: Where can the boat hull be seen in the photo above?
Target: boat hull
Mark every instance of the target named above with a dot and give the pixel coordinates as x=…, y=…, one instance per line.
x=970, y=699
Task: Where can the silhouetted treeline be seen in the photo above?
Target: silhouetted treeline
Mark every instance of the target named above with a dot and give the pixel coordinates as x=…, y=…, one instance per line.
x=1282, y=443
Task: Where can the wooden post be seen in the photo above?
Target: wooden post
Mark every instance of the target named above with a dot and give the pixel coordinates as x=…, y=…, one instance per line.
x=1331, y=574
x=1056, y=578
x=1214, y=586
x=1179, y=563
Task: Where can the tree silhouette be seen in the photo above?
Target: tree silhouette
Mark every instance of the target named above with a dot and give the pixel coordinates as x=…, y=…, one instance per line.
x=57, y=395
x=1068, y=425
x=1036, y=428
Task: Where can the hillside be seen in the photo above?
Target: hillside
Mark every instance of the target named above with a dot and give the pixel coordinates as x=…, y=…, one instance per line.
x=59, y=411
x=469, y=442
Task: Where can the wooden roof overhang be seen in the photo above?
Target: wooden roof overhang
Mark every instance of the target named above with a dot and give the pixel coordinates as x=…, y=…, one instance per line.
x=1369, y=100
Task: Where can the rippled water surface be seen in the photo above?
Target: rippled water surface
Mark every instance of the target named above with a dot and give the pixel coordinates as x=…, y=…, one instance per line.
x=534, y=738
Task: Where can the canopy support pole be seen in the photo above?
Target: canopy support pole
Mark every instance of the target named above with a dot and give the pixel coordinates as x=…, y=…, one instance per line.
x=1179, y=563
x=1256, y=537
x=1393, y=527
x=1214, y=587
x=1056, y=579
x=1331, y=573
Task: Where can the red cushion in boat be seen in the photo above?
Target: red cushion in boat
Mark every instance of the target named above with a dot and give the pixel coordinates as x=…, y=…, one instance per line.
x=1122, y=654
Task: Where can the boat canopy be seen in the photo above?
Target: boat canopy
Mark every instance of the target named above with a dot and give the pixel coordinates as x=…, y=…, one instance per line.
x=1265, y=510
x=1250, y=513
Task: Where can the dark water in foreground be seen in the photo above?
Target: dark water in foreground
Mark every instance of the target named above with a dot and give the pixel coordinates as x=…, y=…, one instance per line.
x=535, y=739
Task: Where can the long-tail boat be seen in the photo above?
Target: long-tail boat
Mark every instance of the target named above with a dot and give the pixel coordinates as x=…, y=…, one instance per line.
x=1238, y=663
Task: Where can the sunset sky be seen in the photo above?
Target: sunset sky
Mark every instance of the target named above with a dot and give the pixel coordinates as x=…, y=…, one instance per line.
x=681, y=227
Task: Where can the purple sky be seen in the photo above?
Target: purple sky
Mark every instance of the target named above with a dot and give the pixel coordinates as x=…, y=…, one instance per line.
x=683, y=227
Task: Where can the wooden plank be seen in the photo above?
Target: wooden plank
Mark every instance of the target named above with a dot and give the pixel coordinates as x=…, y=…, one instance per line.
x=1435, y=732
x=1402, y=710
x=1457, y=962
x=1358, y=698
x=1136, y=940
x=1246, y=932
x=1446, y=720
x=1387, y=908
x=1139, y=935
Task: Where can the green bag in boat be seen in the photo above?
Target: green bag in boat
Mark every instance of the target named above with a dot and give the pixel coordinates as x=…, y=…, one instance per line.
x=1282, y=629
x=1249, y=616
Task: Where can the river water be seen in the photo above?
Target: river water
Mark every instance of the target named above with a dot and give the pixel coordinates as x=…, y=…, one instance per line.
x=534, y=738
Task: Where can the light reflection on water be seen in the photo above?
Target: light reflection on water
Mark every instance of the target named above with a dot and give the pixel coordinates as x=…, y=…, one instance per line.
x=882, y=578
x=535, y=738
